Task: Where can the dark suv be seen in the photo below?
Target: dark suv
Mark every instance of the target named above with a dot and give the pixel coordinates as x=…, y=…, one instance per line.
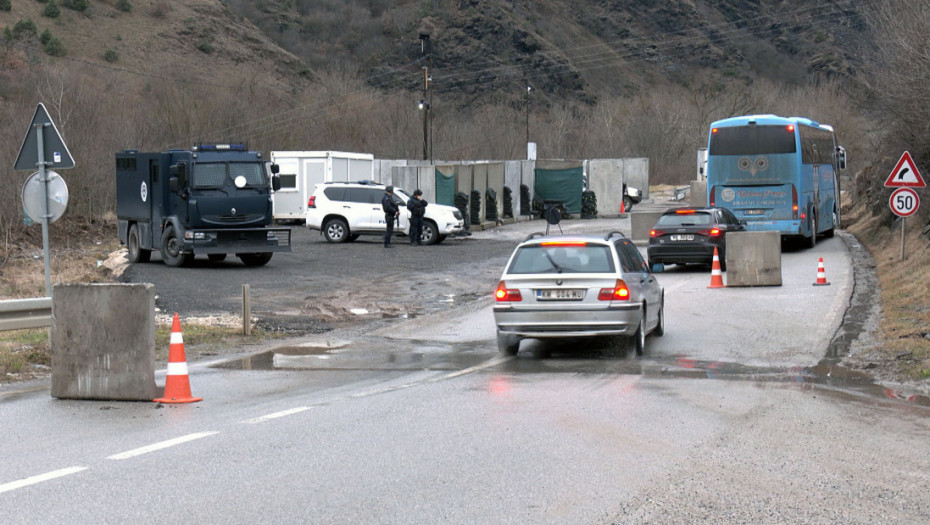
x=689, y=236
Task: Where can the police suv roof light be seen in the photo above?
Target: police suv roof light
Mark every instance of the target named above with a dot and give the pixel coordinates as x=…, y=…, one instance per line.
x=219, y=147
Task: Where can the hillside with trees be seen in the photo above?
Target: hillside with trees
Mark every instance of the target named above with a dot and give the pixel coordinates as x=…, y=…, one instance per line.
x=641, y=79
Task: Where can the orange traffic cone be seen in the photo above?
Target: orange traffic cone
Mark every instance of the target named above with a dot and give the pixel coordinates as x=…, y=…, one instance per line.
x=622, y=207
x=821, y=276
x=716, y=278
x=177, y=384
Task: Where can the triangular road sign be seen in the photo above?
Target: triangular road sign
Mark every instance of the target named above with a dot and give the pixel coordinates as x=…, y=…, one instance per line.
x=55, y=152
x=905, y=174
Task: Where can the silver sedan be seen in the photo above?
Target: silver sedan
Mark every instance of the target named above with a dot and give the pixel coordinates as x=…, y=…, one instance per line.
x=578, y=286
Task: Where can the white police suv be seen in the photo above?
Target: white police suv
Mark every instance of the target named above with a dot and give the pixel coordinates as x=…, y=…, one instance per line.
x=342, y=211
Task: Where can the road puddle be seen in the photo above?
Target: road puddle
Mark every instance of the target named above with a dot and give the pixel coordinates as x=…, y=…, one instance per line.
x=415, y=355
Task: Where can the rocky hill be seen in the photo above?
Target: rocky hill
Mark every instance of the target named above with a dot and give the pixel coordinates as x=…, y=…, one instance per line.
x=151, y=39
x=571, y=49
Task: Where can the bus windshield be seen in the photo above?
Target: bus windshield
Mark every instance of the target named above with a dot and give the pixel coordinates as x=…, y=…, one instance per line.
x=752, y=140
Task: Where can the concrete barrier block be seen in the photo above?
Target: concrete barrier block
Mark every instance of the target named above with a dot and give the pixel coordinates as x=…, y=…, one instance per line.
x=641, y=222
x=753, y=259
x=103, y=342
x=698, y=194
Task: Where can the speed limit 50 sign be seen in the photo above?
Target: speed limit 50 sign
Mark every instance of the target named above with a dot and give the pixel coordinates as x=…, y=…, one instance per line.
x=904, y=202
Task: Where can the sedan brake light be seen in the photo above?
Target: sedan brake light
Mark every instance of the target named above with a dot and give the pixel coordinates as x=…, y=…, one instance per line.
x=311, y=203
x=619, y=292
x=563, y=243
x=506, y=295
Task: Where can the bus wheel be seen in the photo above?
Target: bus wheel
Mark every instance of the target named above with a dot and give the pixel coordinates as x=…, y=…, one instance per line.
x=812, y=242
x=829, y=233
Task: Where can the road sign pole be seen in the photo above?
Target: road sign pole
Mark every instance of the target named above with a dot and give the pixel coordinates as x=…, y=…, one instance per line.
x=903, y=222
x=43, y=177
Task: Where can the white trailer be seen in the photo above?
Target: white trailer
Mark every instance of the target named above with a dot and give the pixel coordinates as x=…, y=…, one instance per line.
x=301, y=171
x=701, y=174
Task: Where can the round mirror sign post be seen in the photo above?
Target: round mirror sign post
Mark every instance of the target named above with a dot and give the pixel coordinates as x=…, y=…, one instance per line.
x=34, y=193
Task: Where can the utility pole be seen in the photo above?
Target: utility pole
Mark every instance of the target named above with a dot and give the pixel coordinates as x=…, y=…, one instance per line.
x=426, y=101
x=526, y=107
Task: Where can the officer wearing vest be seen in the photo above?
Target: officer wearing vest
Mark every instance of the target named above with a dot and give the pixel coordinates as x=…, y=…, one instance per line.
x=391, y=212
x=417, y=207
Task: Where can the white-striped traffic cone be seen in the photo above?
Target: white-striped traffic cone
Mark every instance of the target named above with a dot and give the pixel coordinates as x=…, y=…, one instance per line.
x=821, y=276
x=177, y=383
x=716, y=277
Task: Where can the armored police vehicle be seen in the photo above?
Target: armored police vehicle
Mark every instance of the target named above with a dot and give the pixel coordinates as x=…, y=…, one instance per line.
x=211, y=199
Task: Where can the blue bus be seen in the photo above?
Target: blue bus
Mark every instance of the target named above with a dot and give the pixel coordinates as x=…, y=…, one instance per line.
x=777, y=174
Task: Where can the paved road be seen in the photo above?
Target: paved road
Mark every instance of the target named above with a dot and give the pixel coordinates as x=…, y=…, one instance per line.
x=733, y=416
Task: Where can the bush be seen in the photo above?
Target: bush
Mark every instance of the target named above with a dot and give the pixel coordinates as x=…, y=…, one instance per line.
x=55, y=48
x=24, y=28
x=124, y=5
x=205, y=45
x=160, y=9
x=77, y=5
x=5, y=5
x=46, y=37
x=110, y=55
x=51, y=10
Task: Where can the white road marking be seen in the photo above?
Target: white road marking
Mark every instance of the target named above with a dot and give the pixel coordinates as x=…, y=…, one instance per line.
x=276, y=415
x=492, y=362
x=487, y=364
x=162, y=445
x=13, y=485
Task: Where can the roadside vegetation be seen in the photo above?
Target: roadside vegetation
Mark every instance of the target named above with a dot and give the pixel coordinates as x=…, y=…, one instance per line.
x=80, y=251
x=902, y=344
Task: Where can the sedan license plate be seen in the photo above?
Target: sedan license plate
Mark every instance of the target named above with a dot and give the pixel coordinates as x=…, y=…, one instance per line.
x=555, y=294
x=683, y=237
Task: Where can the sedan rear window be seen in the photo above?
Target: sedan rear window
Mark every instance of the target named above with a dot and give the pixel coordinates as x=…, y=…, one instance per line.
x=562, y=259
x=685, y=219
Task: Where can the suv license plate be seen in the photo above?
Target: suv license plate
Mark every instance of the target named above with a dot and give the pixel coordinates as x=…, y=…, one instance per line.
x=683, y=237
x=553, y=294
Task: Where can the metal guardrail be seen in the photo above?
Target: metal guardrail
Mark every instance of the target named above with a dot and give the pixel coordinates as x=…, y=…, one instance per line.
x=18, y=314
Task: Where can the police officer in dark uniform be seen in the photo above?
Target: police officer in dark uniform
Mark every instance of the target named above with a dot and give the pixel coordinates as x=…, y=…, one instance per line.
x=391, y=211
x=417, y=207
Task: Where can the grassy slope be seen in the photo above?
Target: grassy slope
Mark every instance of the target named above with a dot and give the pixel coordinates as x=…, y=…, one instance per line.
x=902, y=350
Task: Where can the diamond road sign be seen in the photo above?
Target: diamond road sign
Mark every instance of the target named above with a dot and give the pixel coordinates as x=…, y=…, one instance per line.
x=55, y=152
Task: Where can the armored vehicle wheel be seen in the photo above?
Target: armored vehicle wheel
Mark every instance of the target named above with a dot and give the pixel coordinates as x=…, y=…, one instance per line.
x=171, y=249
x=136, y=253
